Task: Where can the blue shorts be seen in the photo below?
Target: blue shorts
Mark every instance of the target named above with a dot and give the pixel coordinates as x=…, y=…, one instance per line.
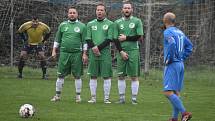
x=173, y=76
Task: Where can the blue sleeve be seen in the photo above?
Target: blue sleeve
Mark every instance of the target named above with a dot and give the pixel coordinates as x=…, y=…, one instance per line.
x=188, y=47
x=170, y=49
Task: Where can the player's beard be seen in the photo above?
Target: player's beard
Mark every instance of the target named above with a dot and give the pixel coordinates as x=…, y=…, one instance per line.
x=127, y=15
x=72, y=19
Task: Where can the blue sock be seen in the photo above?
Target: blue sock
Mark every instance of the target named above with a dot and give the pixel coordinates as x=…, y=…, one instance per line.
x=176, y=101
x=175, y=112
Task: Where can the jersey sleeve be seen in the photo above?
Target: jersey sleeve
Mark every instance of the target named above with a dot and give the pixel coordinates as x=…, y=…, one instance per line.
x=115, y=30
x=188, y=47
x=58, y=37
x=84, y=33
x=88, y=32
x=139, y=27
x=23, y=27
x=110, y=32
x=47, y=29
x=170, y=47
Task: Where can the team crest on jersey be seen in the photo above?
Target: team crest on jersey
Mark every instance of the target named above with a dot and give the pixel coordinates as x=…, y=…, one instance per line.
x=131, y=25
x=66, y=28
x=121, y=26
x=94, y=27
x=77, y=29
x=105, y=27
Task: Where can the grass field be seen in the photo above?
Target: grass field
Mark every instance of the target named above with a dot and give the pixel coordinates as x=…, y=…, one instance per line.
x=198, y=96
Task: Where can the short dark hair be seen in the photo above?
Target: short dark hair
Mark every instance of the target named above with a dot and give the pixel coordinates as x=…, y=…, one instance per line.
x=127, y=2
x=101, y=4
x=34, y=17
x=72, y=7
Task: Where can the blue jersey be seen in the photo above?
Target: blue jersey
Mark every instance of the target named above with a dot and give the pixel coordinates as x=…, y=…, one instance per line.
x=177, y=47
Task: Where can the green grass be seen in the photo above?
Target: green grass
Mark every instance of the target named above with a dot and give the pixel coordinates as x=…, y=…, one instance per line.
x=198, y=96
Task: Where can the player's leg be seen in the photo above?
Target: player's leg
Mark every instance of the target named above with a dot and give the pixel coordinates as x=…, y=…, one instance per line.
x=133, y=70
x=106, y=73
x=171, y=83
x=77, y=71
x=23, y=57
x=64, y=69
x=121, y=69
x=93, y=71
x=93, y=87
x=59, y=86
x=134, y=89
x=185, y=115
x=43, y=62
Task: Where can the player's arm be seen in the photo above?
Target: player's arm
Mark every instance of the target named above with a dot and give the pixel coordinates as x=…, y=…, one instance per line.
x=90, y=42
x=84, y=55
x=22, y=32
x=107, y=41
x=188, y=47
x=47, y=33
x=171, y=48
x=57, y=41
x=134, y=38
x=117, y=42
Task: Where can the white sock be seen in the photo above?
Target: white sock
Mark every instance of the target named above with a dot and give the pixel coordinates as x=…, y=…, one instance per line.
x=93, y=86
x=107, y=86
x=78, y=86
x=59, y=86
x=121, y=87
x=134, y=88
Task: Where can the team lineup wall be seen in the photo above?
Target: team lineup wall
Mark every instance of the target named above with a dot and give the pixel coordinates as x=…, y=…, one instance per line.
x=195, y=17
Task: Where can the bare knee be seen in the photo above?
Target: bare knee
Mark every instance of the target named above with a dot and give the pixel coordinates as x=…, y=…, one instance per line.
x=168, y=93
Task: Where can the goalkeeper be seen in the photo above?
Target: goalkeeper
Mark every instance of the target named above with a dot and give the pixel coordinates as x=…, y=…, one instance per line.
x=34, y=34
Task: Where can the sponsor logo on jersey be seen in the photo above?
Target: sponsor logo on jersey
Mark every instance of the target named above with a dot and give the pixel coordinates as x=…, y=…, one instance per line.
x=94, y=27
x=105, y=27
x=77, y=29
x=131, y=25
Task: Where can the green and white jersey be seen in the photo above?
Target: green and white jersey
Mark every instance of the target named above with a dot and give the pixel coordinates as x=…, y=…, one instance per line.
x=98, y=32
x=70, y=36
x=129, y=27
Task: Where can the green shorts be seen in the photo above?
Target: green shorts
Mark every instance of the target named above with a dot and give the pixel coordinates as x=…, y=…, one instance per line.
x=130, y=67
x=70, y=63
x=100, y=67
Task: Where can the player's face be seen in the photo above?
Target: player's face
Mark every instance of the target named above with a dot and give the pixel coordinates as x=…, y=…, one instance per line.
x=127, y=10
x=100, y=12
x=72, y=14
x=35, y=23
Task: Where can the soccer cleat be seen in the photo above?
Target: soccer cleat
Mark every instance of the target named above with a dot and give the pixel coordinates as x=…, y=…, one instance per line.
x=19, y=76
x=107, y=101
x=55, y=98
x=92, y=100
x=173, y=119
x=121, y=101
x=77, y=99
x=134, y=102
x=45, y=77
x=186, y=116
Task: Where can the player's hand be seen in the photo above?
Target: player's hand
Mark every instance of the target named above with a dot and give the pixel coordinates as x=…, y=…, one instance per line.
x=96, y=51
x=45, y=42
x=124, y=55
x=85, y=58
x=54, y=54
x=122, y=37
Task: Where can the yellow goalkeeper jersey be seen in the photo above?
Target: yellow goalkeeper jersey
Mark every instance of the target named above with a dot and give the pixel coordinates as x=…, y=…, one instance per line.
x=35, y=35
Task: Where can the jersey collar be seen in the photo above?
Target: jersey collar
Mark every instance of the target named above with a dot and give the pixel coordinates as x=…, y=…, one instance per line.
x=123, y=18
x=101, y=20
x=73, y=21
